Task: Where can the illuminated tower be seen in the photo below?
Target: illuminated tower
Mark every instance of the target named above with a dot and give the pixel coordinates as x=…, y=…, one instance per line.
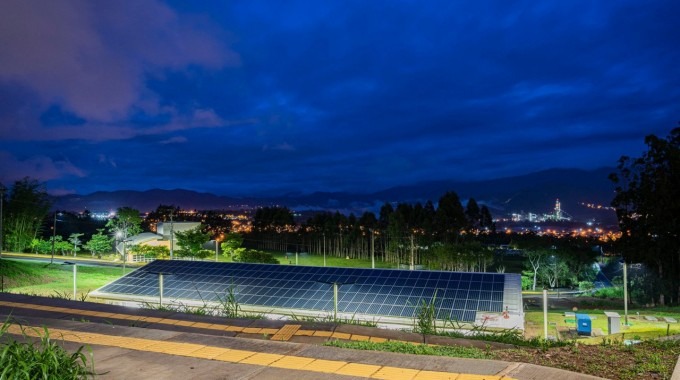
x=558, y=210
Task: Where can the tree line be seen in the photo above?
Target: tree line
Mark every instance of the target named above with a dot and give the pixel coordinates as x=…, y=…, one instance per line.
x=440, y=237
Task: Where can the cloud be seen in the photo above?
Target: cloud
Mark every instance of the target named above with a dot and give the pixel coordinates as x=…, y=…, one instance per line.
x=103, y=159
x=31, y=130
x=285, y=147
x=92, y=57
x=39, y=167
x=174, y=140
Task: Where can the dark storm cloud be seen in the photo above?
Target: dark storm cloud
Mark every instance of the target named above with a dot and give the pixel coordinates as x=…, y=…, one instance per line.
x=261, y=96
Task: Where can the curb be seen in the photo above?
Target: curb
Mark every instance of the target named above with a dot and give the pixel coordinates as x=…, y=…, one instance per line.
x=676, y=371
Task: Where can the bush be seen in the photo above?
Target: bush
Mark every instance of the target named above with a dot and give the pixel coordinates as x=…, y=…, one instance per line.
x=42, y=360
x=585, y=286
x=254, y=256
x=609, y=293
x=150, y=251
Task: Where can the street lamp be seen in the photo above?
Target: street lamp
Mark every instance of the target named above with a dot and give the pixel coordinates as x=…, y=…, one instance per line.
x=2, y=198
x=217, y=244
x=75, y=275
x=123, y=234
x=324, y=249
x=372, y=248
x=54, y=234
x=625, y=293
x=545, y=313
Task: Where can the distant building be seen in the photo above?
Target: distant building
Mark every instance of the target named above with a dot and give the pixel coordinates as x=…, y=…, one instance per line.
x=164, y=236
x=165, y=229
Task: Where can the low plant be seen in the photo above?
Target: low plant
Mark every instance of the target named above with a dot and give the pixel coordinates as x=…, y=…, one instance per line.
x=416, y=349
x=508, y=336
x=425, y=317
x=82, y=297
x=41, y=359
x=329, y=318
x=229, y=306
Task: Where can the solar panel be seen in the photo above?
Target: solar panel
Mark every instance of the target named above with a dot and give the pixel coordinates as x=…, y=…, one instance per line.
x=380, y=292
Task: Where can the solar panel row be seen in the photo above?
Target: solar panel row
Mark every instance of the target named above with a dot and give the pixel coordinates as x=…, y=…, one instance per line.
x=380, y=292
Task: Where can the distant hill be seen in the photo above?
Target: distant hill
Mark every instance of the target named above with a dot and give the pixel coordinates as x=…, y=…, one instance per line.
x=148, y=200
x=535, y=192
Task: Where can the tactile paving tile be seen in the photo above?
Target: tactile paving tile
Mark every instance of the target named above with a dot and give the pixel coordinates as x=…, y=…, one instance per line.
x=286, y=332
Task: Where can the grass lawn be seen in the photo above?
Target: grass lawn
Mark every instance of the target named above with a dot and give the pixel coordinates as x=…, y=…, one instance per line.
x=331, y=261
x=50, y=280
x=308, y=259
x=638, y=328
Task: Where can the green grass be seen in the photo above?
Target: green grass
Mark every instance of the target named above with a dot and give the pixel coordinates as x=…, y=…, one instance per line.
x=416, y=349
x=639, y=327
x=44, y=359
x=331, y=261
x=54, y=280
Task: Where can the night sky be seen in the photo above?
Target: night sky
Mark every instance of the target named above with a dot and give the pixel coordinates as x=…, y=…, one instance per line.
x=264, y=97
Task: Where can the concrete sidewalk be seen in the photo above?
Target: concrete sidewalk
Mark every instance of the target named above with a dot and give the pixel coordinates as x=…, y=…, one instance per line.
x=178, y=351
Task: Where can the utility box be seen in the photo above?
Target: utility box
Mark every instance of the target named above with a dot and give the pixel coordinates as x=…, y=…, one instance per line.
x=584, y=325
x=613, y=322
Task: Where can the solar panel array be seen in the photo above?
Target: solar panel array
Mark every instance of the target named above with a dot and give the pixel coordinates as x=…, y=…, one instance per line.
x=380, y=292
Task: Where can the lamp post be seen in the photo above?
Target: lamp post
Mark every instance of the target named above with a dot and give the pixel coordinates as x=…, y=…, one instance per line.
x=172, y=237
x=324, y=249
x=54, y=235
x=75, y=276
x=2, y=198
x=123, y=234
x=217, y=244
x=625, y=293
x=545, y=313
x=372, y=248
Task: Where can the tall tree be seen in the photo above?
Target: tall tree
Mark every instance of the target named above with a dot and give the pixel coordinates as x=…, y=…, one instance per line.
x=191, y=241
x=486, y=220
x=28, y=204
x=74, y=239
x=647, y=205
x=127, y=221
x=535, y=260
x=450, y=217
x=99, y=243
x=473, y=214
x=232, y=242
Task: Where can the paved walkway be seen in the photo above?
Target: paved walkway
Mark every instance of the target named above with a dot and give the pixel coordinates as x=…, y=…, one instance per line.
x=132, y=343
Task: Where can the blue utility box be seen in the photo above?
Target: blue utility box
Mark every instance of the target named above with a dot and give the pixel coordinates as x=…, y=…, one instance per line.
x=583, y=324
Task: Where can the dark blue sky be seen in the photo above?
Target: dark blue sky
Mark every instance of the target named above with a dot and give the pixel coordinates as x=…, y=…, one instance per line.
x=249, y=97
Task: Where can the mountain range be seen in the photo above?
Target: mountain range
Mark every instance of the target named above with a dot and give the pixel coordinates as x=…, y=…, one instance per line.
x=534, y=192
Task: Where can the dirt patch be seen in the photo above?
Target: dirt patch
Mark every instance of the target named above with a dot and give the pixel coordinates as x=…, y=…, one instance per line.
x=610, y=360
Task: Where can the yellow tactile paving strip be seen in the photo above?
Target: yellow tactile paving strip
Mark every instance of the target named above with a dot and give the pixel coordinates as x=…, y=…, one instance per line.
x=247, y=357
x=282, y=334
x=237, y=356
x=286, y=332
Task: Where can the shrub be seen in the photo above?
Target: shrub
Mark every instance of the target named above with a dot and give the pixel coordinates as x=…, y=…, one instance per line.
x=585, y=286
x=254, y=256
x=44, y=359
